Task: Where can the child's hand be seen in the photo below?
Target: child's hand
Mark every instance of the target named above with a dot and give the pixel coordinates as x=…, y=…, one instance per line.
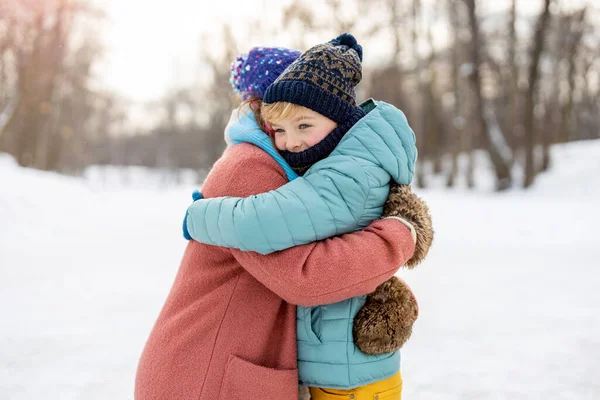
x=403, y=203
x=385, y=321
x=196, y=195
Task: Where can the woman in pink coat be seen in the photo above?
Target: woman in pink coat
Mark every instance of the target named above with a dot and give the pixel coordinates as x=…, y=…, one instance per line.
x=228, y=327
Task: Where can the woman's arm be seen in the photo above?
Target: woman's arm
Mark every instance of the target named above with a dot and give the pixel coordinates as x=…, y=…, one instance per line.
x=317, y=273
x=328, y=201
x=334, y=269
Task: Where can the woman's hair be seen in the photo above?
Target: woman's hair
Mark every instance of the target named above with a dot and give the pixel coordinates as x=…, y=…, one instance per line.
x=266, y=114
x=255, y=103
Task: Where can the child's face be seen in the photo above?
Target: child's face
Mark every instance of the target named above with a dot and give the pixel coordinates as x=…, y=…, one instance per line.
x=302, y=130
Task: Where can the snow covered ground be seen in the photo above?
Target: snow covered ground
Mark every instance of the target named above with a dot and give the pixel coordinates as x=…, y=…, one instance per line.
x=509, y=296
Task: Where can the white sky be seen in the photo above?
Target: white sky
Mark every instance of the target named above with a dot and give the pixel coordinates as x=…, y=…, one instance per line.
x=153, y=45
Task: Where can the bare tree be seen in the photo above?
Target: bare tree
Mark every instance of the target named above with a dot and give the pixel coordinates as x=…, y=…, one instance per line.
x=387, y=82
x=550, y=126
x=513, y=87
x=501, y=167
x=529, y=125
x=40, y=47
x=577, y=26
x=419, y=123
x=220, y=95
x=437, y=127
x=38, y=71
x=456, y=121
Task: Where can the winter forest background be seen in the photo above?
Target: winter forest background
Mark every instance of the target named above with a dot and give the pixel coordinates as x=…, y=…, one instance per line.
x=506, y=78
x=112, y=112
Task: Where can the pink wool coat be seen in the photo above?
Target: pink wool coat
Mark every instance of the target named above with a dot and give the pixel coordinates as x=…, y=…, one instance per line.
x=228, y=327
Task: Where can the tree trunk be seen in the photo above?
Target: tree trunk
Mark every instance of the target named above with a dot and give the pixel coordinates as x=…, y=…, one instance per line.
x=52, y=150
x=513, y=93
x=574, y=41
x=546, y=135
x=455, y=141
x=501, y=167
x=434, y=125
x=421, y=125
x=529, y=125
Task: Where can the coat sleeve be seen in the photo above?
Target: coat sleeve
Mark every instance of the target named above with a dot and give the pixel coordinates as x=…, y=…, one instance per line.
x=328, y=201
x=334, y=269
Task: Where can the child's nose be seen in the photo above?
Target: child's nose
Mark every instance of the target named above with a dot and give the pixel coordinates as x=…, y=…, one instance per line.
x=294, y=144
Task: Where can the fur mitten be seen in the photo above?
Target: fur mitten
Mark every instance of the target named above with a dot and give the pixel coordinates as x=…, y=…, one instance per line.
x=384, y=323
x=402, y=202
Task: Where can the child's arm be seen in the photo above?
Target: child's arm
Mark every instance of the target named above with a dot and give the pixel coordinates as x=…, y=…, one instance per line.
x=328, y=201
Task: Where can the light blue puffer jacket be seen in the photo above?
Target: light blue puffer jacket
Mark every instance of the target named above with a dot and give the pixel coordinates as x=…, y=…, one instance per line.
x=342, y=193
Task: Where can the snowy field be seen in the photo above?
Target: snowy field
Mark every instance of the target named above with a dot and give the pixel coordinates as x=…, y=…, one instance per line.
x=509, y=296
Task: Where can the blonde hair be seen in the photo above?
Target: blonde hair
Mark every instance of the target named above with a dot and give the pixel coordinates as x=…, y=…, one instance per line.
x=266, y=114
x=275, y=112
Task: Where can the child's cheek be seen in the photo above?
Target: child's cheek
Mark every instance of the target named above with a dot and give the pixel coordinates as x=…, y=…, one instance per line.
x=311, y=142
x=280, y=143
x=315, y=138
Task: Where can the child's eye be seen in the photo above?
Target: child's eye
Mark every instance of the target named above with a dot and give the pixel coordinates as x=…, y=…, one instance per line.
x=304, y=126
x=279, y=131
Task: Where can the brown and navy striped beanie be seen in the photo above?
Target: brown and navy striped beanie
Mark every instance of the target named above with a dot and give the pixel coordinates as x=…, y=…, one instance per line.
x=323, y=79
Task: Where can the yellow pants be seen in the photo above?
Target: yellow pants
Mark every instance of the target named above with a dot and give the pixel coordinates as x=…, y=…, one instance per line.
x=388, y=389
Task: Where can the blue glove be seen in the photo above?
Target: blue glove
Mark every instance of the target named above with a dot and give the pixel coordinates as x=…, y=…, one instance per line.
x=196, y=195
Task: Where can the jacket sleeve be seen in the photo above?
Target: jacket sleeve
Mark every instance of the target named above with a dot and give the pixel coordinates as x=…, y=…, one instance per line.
x=328, y=201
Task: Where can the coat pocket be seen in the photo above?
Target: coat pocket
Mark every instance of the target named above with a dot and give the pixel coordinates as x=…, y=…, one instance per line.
x=324, y=394
x=244, y=380
x=390, y=394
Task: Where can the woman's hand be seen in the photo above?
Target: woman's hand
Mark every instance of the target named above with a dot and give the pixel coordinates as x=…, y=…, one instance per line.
x=403, y=203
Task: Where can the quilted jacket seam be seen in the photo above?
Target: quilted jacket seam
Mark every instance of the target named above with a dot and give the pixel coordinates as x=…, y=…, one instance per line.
x=308, y=214
x=335, y=222
x=287, y=226
x=261, y=227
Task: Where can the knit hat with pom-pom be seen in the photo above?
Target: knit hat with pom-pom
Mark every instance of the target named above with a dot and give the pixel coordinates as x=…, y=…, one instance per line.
x=322, y=79
x=253, y=72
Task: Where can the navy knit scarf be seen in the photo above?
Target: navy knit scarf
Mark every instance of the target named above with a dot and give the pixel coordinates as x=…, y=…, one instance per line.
x=301, y=161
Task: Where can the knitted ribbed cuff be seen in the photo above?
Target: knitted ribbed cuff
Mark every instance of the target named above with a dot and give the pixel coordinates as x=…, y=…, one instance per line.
x=413, y=232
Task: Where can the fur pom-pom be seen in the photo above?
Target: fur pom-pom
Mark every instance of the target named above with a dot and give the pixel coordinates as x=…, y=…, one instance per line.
x=235, y=72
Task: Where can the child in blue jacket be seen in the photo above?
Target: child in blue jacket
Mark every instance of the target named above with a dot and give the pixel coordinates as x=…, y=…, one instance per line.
x=340, y=159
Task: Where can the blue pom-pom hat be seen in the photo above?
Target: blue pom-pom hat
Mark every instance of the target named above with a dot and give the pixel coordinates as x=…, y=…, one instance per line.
x=253, y=72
